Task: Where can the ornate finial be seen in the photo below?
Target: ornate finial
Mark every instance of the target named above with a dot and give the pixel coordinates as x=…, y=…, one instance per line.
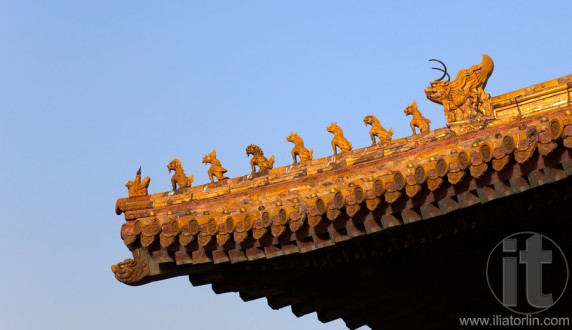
x=383, y=135
x=258, y=158
x=216, y=169
x=299, y=149
x=464, y=98
x=138, y=187
x=179, y=178
x=418, y=120
x=339, y=140
x=130, y=271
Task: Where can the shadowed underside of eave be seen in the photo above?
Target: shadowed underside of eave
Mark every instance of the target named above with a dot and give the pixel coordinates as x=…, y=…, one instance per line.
x=423, y=275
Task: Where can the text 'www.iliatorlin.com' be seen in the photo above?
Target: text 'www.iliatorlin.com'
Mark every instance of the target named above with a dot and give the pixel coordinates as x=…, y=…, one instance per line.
x=515, y=321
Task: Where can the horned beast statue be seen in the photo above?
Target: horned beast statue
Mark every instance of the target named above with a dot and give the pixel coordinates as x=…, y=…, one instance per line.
x=463, y=98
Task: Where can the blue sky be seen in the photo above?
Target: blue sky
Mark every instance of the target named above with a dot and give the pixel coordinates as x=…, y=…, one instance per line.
x=90, y=91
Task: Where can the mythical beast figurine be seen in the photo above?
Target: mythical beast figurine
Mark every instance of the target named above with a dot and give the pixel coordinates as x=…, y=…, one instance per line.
x=216, y=169
x=463, y=98
x=382, y=134
x=130, y=271
x=258, y=158
x=299, y=149
x=339, y=140
x=179, y=178
x=418, y=120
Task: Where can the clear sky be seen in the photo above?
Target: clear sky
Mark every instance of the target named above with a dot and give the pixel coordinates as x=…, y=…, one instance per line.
x=91, y=90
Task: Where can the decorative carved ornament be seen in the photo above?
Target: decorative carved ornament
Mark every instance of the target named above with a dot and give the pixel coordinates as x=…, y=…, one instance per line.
x=418, y=120
x=216, y=170
x=131, y=271
x=258, y=158
x=464, y=99
x=378, y=131
x=299, y=150
x=179, y=178
x=138, y=187
x=339, y=140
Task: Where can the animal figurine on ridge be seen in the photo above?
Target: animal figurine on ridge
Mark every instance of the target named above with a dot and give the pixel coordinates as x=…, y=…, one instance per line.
x=299, y=149
x=463, y=98
x=179, y=178
x=216, y=169
x=138, y=187
x=339, y=140
x=258, y=159
x=418, y=120
x=378, y=130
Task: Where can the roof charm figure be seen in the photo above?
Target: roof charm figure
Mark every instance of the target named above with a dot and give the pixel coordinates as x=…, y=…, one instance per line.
x=378, y=131
x=179, y=178
x=339, y=140
x=216, y=170
x=299, y=149
x=418, y=120
x=138, y=187
x=463, y=98
x=258, y=159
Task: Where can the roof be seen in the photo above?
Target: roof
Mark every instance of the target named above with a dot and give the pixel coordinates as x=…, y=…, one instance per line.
x=522, y=143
